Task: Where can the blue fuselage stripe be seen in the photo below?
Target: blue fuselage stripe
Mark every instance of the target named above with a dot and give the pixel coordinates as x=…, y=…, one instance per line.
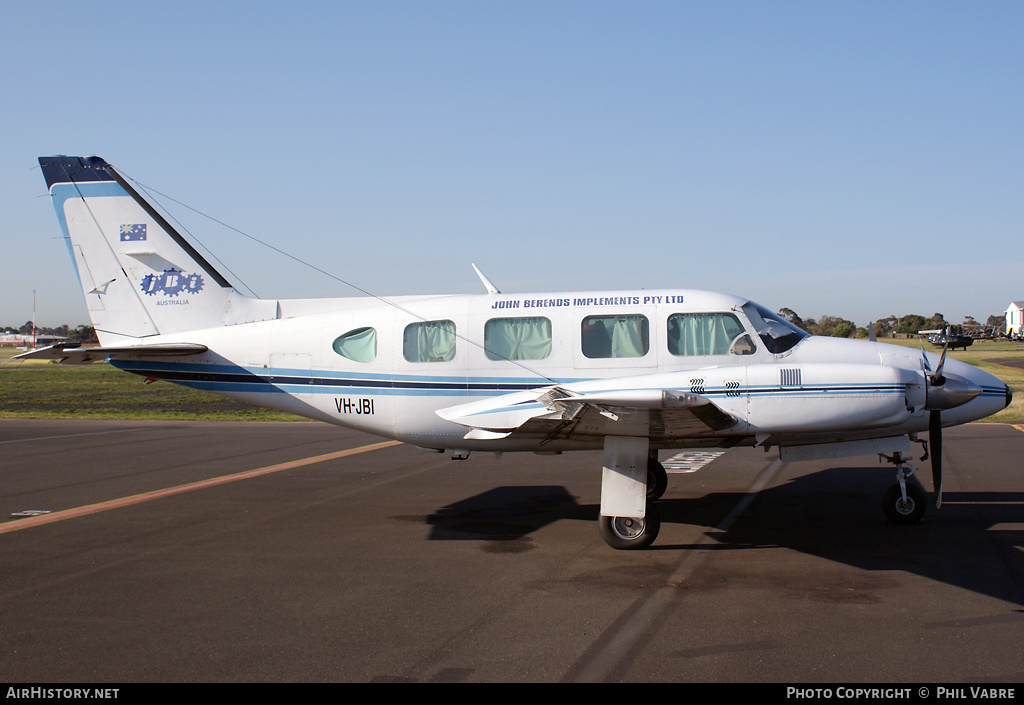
x=223, y=378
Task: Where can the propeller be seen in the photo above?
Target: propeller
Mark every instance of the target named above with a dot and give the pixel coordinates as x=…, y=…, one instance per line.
x=938, y=398
x=937, y=379
x=933, y=380
x=935, y=441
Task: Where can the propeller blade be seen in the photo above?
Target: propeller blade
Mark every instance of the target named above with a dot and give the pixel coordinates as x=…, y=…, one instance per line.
x=937, y=378
x=935, y=450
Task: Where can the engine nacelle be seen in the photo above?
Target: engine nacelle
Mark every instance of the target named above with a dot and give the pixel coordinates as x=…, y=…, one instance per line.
x=830, y=397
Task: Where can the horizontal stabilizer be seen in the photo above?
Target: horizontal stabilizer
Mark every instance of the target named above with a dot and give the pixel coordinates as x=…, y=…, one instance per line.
x=74, y=354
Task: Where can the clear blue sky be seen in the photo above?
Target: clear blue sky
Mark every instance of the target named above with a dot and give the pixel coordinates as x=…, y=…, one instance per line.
x=855, y=159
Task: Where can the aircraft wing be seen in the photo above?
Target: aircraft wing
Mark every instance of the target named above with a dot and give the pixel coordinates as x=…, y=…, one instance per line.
x=73, y=354
x=560, y=413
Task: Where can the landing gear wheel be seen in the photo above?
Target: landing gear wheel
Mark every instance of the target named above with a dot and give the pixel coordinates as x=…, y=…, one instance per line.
x=628, y=533
x=900, y=511
x=657, y=479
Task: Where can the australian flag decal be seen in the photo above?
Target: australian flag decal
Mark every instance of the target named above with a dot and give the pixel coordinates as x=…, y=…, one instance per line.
x=133, y=233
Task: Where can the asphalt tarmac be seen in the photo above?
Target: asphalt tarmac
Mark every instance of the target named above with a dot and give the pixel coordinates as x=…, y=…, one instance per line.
x=165, y=558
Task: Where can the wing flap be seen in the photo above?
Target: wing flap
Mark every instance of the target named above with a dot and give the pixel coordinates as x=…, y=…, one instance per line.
x=558, y=412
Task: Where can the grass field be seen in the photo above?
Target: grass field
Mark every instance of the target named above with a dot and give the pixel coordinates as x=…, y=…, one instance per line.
x=44, y=390
x=98, y=391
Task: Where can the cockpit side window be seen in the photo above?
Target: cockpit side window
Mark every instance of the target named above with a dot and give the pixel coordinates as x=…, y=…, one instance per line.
x=777, y=334
x=703, y=333
x=743, y=345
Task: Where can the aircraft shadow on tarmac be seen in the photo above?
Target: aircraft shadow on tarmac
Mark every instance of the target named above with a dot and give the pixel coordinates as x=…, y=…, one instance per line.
x=975, y=541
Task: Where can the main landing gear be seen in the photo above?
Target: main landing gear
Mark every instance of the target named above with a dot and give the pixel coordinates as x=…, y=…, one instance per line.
x=657, y=479
x=626, y=533
x=632, y=481
x=904, y=502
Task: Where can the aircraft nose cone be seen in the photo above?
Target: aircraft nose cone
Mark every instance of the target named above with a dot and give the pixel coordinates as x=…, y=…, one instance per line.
x=1009, y=395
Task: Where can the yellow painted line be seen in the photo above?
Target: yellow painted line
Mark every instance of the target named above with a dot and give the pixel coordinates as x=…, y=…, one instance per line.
x=1018, y=426
x=146, y=496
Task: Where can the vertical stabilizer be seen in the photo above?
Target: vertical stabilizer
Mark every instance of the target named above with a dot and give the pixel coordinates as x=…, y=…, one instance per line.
x=140, y=277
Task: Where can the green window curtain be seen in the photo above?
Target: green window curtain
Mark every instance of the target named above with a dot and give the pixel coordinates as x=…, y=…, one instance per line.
x=615, y=336
x=359, y=344
x=702, y=333
x=430, y=341
x=517, y=338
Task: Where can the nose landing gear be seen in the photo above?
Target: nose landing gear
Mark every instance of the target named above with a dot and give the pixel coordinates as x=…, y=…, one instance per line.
x=904, y=502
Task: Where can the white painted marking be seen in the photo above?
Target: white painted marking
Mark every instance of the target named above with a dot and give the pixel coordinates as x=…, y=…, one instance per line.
x=690, y=460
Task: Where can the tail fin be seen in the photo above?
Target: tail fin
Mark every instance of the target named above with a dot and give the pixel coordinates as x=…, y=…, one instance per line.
x=140, y=277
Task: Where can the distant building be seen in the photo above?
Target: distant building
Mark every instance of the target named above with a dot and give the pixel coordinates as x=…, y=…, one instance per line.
x=1015, y=318
x=24, y=340
x=17, y=339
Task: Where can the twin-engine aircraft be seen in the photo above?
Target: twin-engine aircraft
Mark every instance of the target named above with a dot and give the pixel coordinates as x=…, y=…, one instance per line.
x=627, y=372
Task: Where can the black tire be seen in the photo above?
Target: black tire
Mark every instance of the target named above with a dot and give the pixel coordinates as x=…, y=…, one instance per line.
x=657, y=479
x=899, y=512
x=626, y=533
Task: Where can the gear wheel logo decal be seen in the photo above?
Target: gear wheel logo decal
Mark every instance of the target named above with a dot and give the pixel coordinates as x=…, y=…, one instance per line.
x=172, y=283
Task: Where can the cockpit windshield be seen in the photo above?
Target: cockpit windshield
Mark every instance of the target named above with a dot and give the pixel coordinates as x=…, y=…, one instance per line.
x=778, y=334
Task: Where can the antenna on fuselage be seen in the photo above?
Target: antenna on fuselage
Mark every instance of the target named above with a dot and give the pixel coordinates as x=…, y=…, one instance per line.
x=491, y=289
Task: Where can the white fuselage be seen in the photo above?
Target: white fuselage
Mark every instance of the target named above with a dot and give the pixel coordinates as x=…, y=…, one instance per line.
x=816, y=390
x=628, y=372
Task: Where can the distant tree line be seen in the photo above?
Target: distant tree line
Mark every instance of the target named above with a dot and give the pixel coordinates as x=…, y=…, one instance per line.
x=79, y=333
x=832, y=326
x=884, y=327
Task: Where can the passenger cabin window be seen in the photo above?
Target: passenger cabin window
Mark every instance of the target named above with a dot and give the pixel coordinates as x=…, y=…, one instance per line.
x=704, y=334
x=517, y=338
x=430, y=341
x=359, y=345
x=615, y=336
